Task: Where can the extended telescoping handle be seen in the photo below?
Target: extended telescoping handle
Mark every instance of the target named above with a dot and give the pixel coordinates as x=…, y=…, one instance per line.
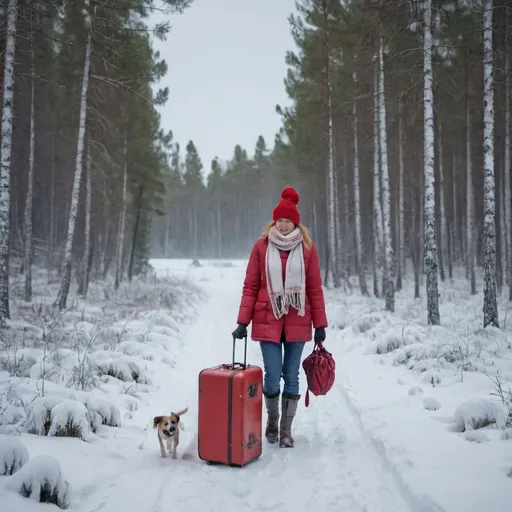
x=245, y=352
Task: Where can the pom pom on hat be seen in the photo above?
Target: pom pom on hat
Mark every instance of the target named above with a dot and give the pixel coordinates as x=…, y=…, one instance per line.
x=291, y=194
x=287, y=206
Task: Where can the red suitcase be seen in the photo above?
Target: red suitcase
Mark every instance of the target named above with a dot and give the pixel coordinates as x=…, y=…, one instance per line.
x=230, y=412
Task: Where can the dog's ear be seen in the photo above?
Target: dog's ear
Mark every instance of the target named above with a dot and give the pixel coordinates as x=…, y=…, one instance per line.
x=157, y=420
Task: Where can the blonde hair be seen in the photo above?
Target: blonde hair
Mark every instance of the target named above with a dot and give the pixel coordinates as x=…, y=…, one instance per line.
x=304, y=230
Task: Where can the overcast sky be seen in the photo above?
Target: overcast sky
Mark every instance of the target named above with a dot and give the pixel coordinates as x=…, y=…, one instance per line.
x=226, y=70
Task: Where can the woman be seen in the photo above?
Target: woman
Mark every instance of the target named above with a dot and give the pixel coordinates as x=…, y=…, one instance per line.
x=282, y=296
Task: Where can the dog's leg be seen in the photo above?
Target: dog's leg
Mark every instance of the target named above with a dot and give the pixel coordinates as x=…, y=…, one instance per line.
x=162, y=449
x=173, y=448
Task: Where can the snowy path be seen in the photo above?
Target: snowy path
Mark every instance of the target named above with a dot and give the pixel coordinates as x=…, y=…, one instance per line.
x=333, y=466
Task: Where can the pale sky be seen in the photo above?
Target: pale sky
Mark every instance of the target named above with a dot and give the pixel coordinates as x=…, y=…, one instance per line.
x=226, y=61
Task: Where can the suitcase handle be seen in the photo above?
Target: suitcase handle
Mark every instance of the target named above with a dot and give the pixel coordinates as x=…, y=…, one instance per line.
x=244, y=365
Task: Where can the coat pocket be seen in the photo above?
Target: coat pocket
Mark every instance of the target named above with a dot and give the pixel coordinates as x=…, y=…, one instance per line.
x=258, y=316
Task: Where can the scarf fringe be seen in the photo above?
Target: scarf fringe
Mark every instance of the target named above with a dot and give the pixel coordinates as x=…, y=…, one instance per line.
x=281, y=303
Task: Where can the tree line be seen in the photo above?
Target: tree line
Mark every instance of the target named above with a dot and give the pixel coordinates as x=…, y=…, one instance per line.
x=398, y=139
x=83, y=155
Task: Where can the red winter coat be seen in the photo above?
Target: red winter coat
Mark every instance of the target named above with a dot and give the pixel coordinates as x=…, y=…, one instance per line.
x=256, y=306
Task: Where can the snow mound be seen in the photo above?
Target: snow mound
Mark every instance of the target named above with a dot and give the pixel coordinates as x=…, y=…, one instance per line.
x=431, y=404
x=13, y=455
x=414, y=390
x=477, y=413
x=475, y=436
x=40, y=479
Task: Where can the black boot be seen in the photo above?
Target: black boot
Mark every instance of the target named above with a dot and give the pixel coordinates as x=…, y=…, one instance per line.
x=272, y=430
x=289, y=408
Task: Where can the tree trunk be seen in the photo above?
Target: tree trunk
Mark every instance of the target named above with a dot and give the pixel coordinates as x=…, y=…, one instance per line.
x=378, y=241
x=507, y=156
x=122, y=222
x=68, y=255
x=331, y=202
x=135, y=232
x=6, y=158
x=386, y=195
x=357, y=213
x=430, y=249
x=28, y=253
x=490, y=306
x=401, y=209
x=86, y=258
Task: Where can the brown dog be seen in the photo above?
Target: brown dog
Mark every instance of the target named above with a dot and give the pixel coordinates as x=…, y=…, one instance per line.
x=168, y=430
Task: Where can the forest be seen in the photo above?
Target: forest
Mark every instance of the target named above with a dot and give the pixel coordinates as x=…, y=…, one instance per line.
x=398, y=141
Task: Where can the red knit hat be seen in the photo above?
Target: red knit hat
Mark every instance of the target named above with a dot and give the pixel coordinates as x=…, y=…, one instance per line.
x=287, y=206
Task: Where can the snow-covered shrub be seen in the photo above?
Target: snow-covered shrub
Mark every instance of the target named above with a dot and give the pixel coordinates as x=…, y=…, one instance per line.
x=101, y=411
x=477, y=413
x=69, y=419
x=40, y=479
x=39, y=414
x=416, y=352
x=122, y=367
x=432, y=377
x=396, y=337
x=18, y=361
x=365, y=323
x=13, y=455
x=48, y=371
x=56, y=416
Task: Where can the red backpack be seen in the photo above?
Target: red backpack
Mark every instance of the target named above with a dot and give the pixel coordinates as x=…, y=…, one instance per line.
x=320, y=371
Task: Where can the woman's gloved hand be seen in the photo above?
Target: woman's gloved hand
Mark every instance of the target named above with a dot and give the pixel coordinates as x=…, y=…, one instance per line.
x=240, y=332
x=320, y=334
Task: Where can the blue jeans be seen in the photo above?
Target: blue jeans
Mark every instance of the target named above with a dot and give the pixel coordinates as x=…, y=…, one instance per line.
x=275, y=367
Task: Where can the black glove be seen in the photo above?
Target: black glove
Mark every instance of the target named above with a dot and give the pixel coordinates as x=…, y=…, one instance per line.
x=240, y=332
x=320, y=334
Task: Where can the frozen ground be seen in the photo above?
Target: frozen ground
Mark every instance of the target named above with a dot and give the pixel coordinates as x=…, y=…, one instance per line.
x=375, y=443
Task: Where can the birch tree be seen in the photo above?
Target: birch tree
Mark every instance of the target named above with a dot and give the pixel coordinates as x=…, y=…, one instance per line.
x=6, y=158
x=430, y=250
x=401, y=201
x=507, y=163
x=377, y=204
x=122, y=221
x=75, y=194
x=490, y=307
x=331, y=186
x=357, y=209
x=386, y=195
x=86, y=257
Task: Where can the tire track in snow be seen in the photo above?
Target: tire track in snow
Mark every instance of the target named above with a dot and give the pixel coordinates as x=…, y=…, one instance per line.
x=416, y=503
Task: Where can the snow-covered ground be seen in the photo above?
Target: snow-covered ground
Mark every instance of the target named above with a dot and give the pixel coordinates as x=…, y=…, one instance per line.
x=388, y=437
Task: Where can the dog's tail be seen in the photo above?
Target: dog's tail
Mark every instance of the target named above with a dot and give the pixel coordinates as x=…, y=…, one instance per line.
x=181, y=413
